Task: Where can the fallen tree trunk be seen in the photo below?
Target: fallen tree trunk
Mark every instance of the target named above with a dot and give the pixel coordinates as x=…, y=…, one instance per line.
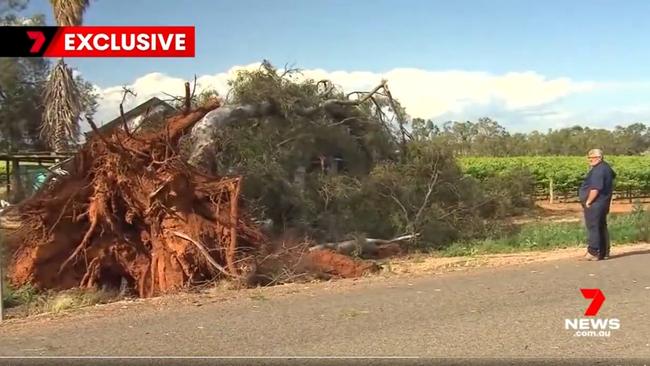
x=206, y=133
x=366, y=247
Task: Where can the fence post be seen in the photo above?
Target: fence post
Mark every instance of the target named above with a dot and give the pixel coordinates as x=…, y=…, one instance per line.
x=629, y=194
x=550, y=190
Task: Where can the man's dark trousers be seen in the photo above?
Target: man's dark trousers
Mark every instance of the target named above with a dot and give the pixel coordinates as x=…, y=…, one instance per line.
x=597, y=233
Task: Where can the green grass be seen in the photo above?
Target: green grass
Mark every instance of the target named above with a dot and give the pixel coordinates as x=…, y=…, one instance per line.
x=623, y=229
x=16, y=297
x=31, y=302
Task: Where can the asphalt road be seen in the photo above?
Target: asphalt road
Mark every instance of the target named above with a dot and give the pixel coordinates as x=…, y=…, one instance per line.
x=508, y=312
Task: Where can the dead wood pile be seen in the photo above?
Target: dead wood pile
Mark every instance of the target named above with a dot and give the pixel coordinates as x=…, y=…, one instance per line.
x=132, y=210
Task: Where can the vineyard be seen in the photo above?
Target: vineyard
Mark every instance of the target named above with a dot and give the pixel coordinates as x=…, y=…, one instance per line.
x=561, y=176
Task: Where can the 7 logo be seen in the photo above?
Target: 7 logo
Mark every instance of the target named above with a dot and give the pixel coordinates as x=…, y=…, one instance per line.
x=598, y=298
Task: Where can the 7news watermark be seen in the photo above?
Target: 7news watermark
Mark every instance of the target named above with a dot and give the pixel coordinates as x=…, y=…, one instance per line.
x=592, y=326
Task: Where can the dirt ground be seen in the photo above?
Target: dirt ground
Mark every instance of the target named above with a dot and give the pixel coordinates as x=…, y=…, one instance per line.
x=422, y=264
x=623, y=206
x=570, y=211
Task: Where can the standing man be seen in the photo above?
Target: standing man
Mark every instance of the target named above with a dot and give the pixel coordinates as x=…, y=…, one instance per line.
x=596, y=196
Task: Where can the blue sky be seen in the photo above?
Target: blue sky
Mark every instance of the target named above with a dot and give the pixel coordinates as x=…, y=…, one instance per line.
x=599, y=43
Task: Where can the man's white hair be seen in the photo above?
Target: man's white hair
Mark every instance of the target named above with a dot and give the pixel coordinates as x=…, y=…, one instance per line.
x=595, y=152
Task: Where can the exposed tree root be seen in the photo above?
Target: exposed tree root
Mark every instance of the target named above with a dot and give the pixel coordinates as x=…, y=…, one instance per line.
x=113, y=218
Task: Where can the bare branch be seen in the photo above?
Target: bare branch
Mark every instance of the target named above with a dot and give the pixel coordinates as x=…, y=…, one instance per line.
x=343, y=121
x=173, y=97
x=400, y=118
x=188, y=100
x=96, y=131
x=125, y=92
x=288, y=70
x=338, y=245
x=194, y=88
x=399, y=203
x=365, y=98
x=432, y=183
x=328, y=85
x=107, y=143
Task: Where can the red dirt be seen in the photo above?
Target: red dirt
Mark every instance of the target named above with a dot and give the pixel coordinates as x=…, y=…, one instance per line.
x=388, y=251
x=338, y=265
x=574, y=207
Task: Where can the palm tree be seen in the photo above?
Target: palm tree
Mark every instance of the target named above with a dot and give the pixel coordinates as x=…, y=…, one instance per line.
x=62, y=97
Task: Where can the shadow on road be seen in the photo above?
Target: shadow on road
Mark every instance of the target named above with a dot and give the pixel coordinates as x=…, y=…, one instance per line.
x=637, y=252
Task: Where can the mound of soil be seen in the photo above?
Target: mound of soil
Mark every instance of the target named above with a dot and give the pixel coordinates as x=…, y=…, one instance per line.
x=328, y=262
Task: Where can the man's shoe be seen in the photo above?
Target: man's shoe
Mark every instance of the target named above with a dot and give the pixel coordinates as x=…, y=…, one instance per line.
x=590, y=257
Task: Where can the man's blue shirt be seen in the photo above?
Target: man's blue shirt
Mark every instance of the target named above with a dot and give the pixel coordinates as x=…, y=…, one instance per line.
x=600, y=177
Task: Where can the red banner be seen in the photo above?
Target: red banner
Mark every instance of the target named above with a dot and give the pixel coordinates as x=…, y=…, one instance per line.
x=103, y=41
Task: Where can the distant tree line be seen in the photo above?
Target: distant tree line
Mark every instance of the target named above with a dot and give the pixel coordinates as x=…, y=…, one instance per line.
x=487, y=137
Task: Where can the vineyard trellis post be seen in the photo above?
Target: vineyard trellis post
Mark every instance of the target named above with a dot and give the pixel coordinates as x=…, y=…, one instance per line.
x=629, y=193
x=550, y=191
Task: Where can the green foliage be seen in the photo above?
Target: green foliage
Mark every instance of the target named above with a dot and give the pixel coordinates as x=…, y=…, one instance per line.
x=567, y=172
x=425, y=193
x=383, y=188
x=512, y=192
x=641, y=219
x=89, y=96
x=271, y=152
x=28, y=301
x=21, y=83
x=21, y=296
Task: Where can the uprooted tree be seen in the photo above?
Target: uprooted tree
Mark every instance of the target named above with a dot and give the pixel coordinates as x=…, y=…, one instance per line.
x=173, y=207
x=130, y=208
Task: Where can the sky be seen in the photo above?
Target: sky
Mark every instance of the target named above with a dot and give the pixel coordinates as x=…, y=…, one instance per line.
x=527, y=64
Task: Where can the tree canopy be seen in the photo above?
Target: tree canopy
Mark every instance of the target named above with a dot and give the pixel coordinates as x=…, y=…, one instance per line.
x=331, y=163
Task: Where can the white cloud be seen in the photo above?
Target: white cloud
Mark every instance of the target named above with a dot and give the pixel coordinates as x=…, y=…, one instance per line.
x=425, y=94
x=156, y=84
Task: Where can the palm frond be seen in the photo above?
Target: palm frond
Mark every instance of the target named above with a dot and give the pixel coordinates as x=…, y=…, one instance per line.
x=69, y=12
x=62, y=108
